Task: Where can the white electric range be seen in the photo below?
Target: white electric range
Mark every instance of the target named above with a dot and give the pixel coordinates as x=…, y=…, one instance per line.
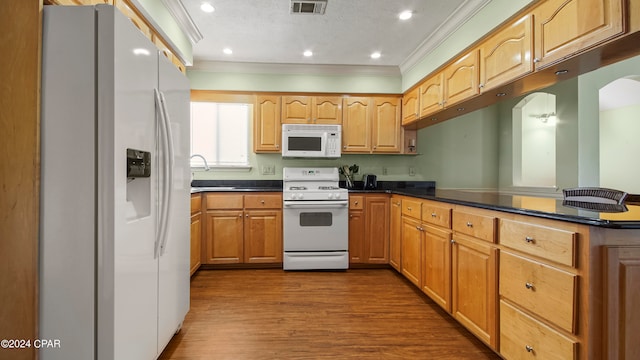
x=315, y=219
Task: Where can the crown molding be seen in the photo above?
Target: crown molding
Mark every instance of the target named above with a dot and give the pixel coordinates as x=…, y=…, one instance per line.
x=180, y=14
x=460, y=16
x=294, y=69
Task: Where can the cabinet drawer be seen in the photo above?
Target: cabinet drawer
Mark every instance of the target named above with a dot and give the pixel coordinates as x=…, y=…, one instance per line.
x=478, y=226
x=263, y=201
x=224, y=201
x=411, y=208
x=436, y=215
x=552, y=244
x=196, y=203
x=356, y=202
x=523, y=337
x=541, y=289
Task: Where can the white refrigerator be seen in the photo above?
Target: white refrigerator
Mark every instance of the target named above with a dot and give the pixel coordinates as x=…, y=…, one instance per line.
x=115, y=189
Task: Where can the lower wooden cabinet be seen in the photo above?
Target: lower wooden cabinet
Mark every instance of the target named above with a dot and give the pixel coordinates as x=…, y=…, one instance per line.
x=411, y=250
x=475, y=287
x=243, y=228
x=395, y=233
x=622, y=293
x=524, y=337
x=196, y=232
x=369, y=229
x=436, y=267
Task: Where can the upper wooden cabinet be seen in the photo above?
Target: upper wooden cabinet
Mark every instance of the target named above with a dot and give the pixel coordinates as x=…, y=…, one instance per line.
x=356, y=125
x=371, y=125
x=267, y=133
x=565, y=27
x=506, y=55
x=312, y=110
x=461, y=79
x=387, y=130
x=410, y=106
x=431, y=95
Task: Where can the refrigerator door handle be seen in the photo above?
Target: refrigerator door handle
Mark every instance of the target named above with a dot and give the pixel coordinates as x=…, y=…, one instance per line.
x=162, y=223
x=170, y=164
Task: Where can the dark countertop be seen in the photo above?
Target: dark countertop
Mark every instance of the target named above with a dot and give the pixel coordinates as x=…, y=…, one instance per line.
x=622, y=217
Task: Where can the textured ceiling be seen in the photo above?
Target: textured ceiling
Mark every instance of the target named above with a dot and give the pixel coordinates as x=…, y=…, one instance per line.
x=264, y=31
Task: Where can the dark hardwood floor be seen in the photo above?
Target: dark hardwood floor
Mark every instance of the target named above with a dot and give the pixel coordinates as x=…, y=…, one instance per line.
x=356, y=314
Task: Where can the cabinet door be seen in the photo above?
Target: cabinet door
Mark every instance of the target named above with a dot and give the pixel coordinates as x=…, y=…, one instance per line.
x=506, y=55
x=224, y=231
x=565, y=27
x=432, y=95
x=387, y=130
x=356, y=236
x=410, y=106
x=622, y=298
x=411, y=255
x=436, y=270
x=267, y=131
x=356, y=125
x=196, y=241
x=474, y=287
x=376, y=234
x=395, y=233
x=326, y=110
x=263, y=236
x=296, y=109
x=461, y=79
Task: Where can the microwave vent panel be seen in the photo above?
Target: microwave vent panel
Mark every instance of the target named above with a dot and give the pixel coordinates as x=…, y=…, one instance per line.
x=314, y=7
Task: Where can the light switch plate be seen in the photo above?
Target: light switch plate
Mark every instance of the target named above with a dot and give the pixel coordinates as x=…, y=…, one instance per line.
x=412, y=171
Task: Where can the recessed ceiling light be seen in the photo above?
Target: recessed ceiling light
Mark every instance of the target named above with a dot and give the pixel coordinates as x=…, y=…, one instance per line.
x=227, y=51
x=405, y=15
x=206, y=7
x=307, y=53
x=376, y=55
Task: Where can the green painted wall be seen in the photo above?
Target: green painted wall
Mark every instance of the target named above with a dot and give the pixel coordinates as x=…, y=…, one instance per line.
x=461, y=153
x=207, y=80
x=163, y=18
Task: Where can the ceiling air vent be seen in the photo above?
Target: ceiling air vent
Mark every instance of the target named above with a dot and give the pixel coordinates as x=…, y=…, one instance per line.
x=314, y=7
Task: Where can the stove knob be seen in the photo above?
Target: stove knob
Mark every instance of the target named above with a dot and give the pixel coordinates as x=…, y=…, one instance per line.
x=330, y=196
x=336, y=196
x=299, y=196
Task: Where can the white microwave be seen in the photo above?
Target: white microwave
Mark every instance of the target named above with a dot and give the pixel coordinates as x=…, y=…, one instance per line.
x=311, y=140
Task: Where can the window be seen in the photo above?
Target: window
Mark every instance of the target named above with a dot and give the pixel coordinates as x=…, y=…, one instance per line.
x=220, y=133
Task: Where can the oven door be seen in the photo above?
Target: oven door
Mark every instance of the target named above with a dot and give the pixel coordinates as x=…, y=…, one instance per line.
x=316, y=225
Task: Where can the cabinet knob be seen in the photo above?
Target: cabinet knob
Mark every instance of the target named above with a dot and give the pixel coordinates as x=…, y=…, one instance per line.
x=529, y=240
x=277, y=146
x=453, y=241
x=434, y=215
x=262, y=202
x=356, y=202
x=374, y=146
x=529, y=286
x=344, y=147
x=240, y=215
x=409, y=208
x=529, y=348
x=419, y=228
x=469, y=224
x=481, y=86
x=536, y=60
x=246, y=215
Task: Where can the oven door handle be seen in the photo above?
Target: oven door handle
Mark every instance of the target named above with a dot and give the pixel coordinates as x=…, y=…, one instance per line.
x=315, y=204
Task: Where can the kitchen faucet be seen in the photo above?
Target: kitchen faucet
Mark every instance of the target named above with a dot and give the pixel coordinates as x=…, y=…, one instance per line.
x=206, y=166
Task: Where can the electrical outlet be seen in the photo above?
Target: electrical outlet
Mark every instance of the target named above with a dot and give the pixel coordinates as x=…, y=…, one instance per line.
x=384, y=171
x=412, y=171
x=268, y=170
